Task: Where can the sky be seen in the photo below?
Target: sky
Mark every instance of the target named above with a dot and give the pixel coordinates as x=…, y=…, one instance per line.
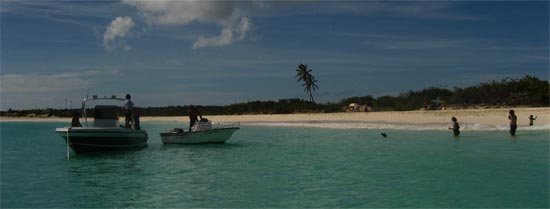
x=224, y=52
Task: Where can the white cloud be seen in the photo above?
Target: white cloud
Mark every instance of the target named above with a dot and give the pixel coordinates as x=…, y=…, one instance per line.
x=51, y=83
x=169, y=12
x=243, y=27
x=227, y=36
x=118, y=29
x=40, y=90
x=229, y=15
x=36, y=83
x=233, y=17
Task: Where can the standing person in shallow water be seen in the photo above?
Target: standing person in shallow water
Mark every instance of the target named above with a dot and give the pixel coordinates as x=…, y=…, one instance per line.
x=531, y=119
x=194, y=113
x=513, y=122
x=128, y=112
x=456, y=127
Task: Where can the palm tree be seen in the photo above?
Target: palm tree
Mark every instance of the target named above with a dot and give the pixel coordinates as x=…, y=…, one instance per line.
x=303, y=74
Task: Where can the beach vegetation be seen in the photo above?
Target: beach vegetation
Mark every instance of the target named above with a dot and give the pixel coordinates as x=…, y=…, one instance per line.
x=528, y=91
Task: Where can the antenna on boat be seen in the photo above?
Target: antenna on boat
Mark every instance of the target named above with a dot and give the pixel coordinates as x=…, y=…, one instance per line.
x=84, y=110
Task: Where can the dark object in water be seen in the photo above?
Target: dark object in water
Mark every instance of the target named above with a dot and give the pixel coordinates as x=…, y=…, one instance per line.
x=384, y=135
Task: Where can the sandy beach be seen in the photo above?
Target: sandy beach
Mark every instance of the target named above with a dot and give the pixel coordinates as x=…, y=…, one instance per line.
x=468, y=117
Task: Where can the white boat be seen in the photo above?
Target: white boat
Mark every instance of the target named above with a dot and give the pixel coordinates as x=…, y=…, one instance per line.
x=201, y=133
x=106, y=134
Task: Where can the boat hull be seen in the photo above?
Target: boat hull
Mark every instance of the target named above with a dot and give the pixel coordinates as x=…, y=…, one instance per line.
x=85, y=140
x=199, y=137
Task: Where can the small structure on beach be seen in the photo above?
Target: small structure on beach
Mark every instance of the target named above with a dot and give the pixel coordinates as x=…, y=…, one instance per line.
x=354, y=107
x=436, y=104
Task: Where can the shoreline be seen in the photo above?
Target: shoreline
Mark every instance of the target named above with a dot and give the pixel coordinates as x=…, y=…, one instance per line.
x=429, y=119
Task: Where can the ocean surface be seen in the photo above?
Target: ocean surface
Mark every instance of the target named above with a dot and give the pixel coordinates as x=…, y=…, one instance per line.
x=281, y=167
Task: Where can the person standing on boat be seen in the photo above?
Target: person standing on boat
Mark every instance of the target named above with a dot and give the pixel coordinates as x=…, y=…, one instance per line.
x=128, y=112
x=513, y=122
x=194, y=113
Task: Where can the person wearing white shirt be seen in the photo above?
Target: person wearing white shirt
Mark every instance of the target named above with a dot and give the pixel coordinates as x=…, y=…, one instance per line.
x=128, y=112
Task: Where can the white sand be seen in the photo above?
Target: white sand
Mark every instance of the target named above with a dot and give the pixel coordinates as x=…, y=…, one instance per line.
x=482, y=117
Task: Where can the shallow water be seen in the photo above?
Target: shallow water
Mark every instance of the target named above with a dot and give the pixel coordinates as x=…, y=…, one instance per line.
x=262, y=166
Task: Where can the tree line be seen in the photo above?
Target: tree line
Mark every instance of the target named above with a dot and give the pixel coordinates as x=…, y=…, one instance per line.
x=527, y=91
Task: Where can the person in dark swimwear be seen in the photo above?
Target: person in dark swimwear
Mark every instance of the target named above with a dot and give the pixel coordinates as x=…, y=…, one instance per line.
x=513, y=122
x=194, y=115
x=531, y=119
x=456, y=127
x=75, y=122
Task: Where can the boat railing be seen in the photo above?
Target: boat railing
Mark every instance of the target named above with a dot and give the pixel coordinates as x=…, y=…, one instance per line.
x=228, y=125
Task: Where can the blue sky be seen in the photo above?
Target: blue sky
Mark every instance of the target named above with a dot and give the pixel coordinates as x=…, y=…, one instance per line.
x=224, y=52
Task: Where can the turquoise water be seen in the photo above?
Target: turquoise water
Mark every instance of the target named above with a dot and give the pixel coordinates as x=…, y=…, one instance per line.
x=281, y=167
